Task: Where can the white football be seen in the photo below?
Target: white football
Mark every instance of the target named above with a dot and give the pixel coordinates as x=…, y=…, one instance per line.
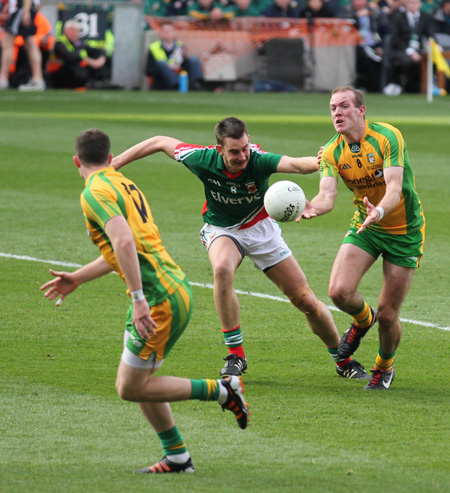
x=284, y=201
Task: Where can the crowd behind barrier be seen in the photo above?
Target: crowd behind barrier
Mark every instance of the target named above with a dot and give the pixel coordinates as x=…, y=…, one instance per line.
x=378, y=45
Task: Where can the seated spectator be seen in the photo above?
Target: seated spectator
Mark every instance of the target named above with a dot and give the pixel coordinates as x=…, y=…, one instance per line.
x=75, y=63
x=245, y=8
x=315, y=9
x=177, y=7
x=166, y=8
x=370, y=22
x=441, y=23
x=107, y=45
x=410, y=29
x=210, y=10
x=282, y=8
x=441, y=19
x=167, y=57
x=430, y=6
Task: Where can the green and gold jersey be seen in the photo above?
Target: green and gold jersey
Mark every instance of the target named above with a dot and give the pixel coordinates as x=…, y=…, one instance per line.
x=361, y=166
x=107, y=194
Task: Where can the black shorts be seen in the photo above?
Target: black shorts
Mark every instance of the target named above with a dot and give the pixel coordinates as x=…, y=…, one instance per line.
x=14, y=24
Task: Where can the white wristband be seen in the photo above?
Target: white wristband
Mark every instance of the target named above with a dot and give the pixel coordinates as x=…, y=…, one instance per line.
x=137, y=295
x=381, y=211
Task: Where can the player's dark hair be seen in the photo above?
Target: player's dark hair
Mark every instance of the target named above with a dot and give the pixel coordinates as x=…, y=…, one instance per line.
x=231, y=127
x=358, y=95
x=93, y=147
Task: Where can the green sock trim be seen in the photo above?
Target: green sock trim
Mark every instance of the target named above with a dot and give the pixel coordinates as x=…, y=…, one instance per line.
x=359, y=311
x=334, y=354
x=386, y=355
x=233, y=338
x=172, y=442
x=205, y=389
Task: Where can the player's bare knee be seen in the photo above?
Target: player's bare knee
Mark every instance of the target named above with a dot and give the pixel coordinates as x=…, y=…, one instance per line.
x=304, y=299
x=339, y=295
x=126, y=391
x=223, y=273
x=387, y=318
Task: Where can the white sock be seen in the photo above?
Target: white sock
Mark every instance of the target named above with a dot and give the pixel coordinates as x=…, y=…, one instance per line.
x=223, y=393
x=179, y=458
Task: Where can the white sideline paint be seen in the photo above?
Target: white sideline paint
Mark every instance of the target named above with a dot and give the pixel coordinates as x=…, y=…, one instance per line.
x=209, y=286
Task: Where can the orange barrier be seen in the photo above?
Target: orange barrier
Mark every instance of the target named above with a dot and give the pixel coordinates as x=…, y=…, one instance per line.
x=235, y=38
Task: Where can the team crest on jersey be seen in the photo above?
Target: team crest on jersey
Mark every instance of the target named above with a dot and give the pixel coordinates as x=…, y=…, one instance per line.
x=371, y=157
x=355, y=147
x=251, y=187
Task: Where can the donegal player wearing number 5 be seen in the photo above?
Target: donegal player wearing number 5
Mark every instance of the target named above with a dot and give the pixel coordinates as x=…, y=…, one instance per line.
x=372, y=160
x=120, y=223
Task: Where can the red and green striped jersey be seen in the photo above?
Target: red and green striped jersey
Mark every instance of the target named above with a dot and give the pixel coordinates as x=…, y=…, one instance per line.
x=107, y=194
x=361, y=166
x=233, y=201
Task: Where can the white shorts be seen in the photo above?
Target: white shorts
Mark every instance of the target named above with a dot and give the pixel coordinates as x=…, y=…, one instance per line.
x=262, y=243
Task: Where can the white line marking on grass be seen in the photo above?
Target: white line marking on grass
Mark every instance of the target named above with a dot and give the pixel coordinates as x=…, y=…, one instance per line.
x=210, y=286
x=33, y=259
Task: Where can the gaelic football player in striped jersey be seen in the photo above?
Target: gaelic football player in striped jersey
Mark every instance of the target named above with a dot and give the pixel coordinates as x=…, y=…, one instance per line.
x=120, y=224
x=372, y=160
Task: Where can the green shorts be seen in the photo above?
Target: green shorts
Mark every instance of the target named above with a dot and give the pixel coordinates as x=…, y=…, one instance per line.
x=171, y=316
x=403, y=250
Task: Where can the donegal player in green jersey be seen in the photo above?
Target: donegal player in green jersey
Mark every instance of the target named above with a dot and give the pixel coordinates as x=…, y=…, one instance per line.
x=120, y=223
x=372, y=160
x=235, y=174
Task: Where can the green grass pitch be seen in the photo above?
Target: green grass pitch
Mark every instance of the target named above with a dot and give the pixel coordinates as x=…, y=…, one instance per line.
x=62, y=426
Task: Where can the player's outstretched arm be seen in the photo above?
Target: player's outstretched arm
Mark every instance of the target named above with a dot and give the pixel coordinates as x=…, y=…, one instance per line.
x=323, y=202
x=65, y=283
x=146, y=148
x=303, y=165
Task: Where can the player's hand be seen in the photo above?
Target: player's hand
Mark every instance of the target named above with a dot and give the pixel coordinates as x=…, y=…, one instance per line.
x=62, y=285
x=142, y=320
x=308, y=213
x=373, y=215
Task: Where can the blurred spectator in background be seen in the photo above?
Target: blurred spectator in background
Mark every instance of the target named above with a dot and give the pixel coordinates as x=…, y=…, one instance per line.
x=75, y=63
x=410, y=29
x=107, y=45
x=21, y=22
x=441, y=22
x=315, y=9
x=430, y=5
x=177, y=7
x=372, y=24
x=166, y=8
x=20, y=68
x=167, y=57
x=245, y=8
x=282, y=8
x=210, y=10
